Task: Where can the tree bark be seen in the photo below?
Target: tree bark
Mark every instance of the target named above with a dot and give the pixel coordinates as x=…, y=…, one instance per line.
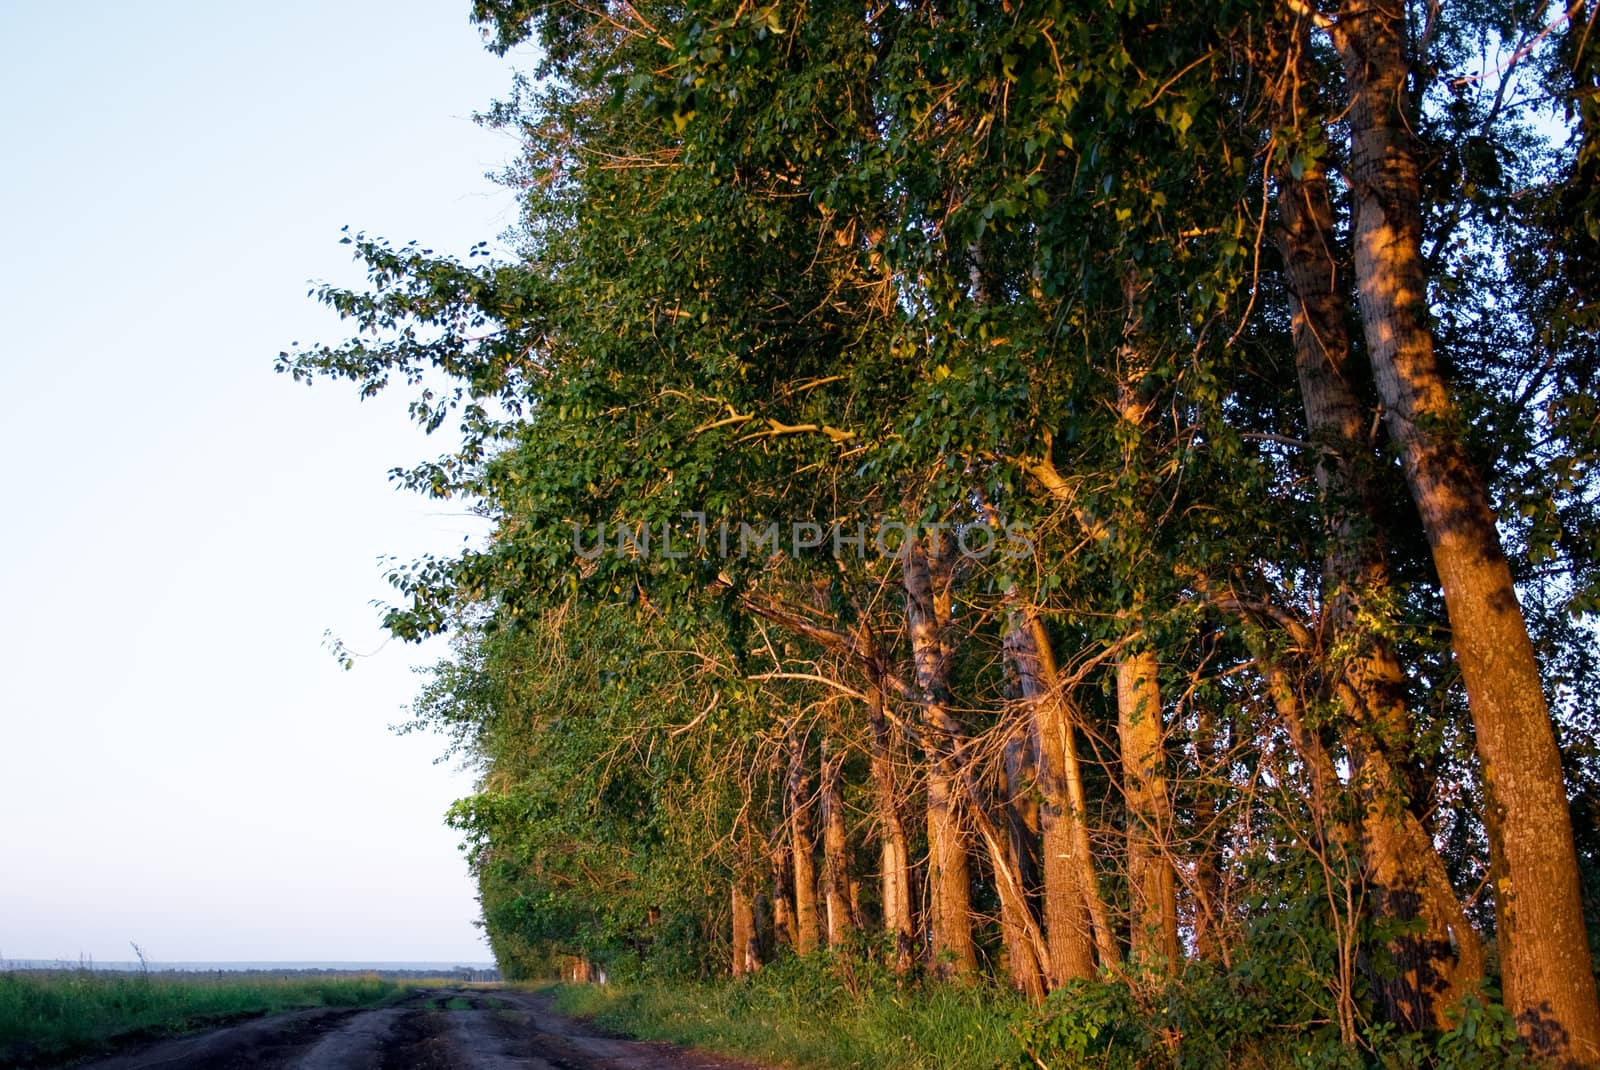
x=835, y=853
x=949, y=871
x=745, y=960
x=1073, y=910
x=802, y=846
x=953, y=784
x=1027, y=958
x=1153, y=940
x=894, y=865
x=949, y=885
x=782, y=905
x=1435, y=967
x=1549, y=983
x=1028, y=972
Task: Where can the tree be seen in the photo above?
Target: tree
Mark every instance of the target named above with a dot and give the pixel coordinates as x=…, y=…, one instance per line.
x=1107, y=277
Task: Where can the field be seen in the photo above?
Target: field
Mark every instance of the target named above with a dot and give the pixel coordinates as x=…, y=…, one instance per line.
x=51, y=1015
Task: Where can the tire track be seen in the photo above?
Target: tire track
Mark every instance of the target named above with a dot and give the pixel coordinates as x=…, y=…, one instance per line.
x=443, y=1029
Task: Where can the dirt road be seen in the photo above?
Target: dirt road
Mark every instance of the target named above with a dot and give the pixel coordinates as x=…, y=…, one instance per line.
x=433, y=1029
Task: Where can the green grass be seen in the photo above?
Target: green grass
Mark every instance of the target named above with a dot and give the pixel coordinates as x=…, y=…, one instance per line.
x=832, y=1013
x=777, y=1022
x=52, y=1015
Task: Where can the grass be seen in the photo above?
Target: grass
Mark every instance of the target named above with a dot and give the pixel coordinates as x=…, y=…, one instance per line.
x=773, y=1021
x=53, y=1015
x=829, y=1013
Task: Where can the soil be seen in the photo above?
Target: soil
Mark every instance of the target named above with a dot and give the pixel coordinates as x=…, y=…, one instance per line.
x=476, y=1028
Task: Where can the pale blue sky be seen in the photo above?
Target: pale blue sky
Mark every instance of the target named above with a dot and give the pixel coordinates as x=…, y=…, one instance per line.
x=181, y=763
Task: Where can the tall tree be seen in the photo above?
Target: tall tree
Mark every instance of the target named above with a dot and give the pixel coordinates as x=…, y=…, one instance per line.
x=1549, y=979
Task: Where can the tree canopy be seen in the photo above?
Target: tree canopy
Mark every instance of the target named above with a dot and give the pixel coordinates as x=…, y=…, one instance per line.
x=1069, y=493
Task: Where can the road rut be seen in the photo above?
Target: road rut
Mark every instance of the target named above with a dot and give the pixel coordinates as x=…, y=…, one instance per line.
x=433, y=1029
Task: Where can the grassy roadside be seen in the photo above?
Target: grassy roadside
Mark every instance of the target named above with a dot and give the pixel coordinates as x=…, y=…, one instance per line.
x=52, y=1015
x=833, y=1014
x=936, y=1028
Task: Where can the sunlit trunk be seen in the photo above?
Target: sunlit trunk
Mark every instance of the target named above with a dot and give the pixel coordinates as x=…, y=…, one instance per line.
x=894, y=861
x=949, y=872
x=745, y=960
x=1068, y=872
x=782, y=905
x=953, y=789
x=1435, y=967
x=835, y=850
x=802, y=846
x=1026, y=969
x=1549, y=983
x=1153, y=937
x=949, y=885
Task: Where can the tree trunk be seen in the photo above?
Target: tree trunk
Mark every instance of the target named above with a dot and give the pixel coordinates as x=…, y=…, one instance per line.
x=1153, y=940
x=1028, y=972
x=1405, y=875
x=1077, y=834
x=1019, y=802
x=802, y=846
x=949, y=885
x=1027, y=958
x=949, y=874
x=894, y=866
x=745, y=960
x=782, y=905
x=1549, y=983
x=951, y=775
x=1073, y=911
x=1408, y=883
x=835, y=853
x=1018, y=814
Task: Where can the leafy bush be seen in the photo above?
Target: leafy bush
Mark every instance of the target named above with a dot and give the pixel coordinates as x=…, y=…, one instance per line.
x=1223, y=1021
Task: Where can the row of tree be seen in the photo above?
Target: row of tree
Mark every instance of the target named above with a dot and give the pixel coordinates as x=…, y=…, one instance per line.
x=1075, y=489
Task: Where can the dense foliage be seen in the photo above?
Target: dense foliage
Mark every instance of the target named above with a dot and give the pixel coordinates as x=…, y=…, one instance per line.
x=1099, y=496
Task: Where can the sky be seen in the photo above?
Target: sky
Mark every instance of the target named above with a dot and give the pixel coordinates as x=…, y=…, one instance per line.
x=182, y=763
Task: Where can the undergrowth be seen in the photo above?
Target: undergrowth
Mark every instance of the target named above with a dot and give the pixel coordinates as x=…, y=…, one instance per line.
x=800, y=1014
x=833, y=1013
